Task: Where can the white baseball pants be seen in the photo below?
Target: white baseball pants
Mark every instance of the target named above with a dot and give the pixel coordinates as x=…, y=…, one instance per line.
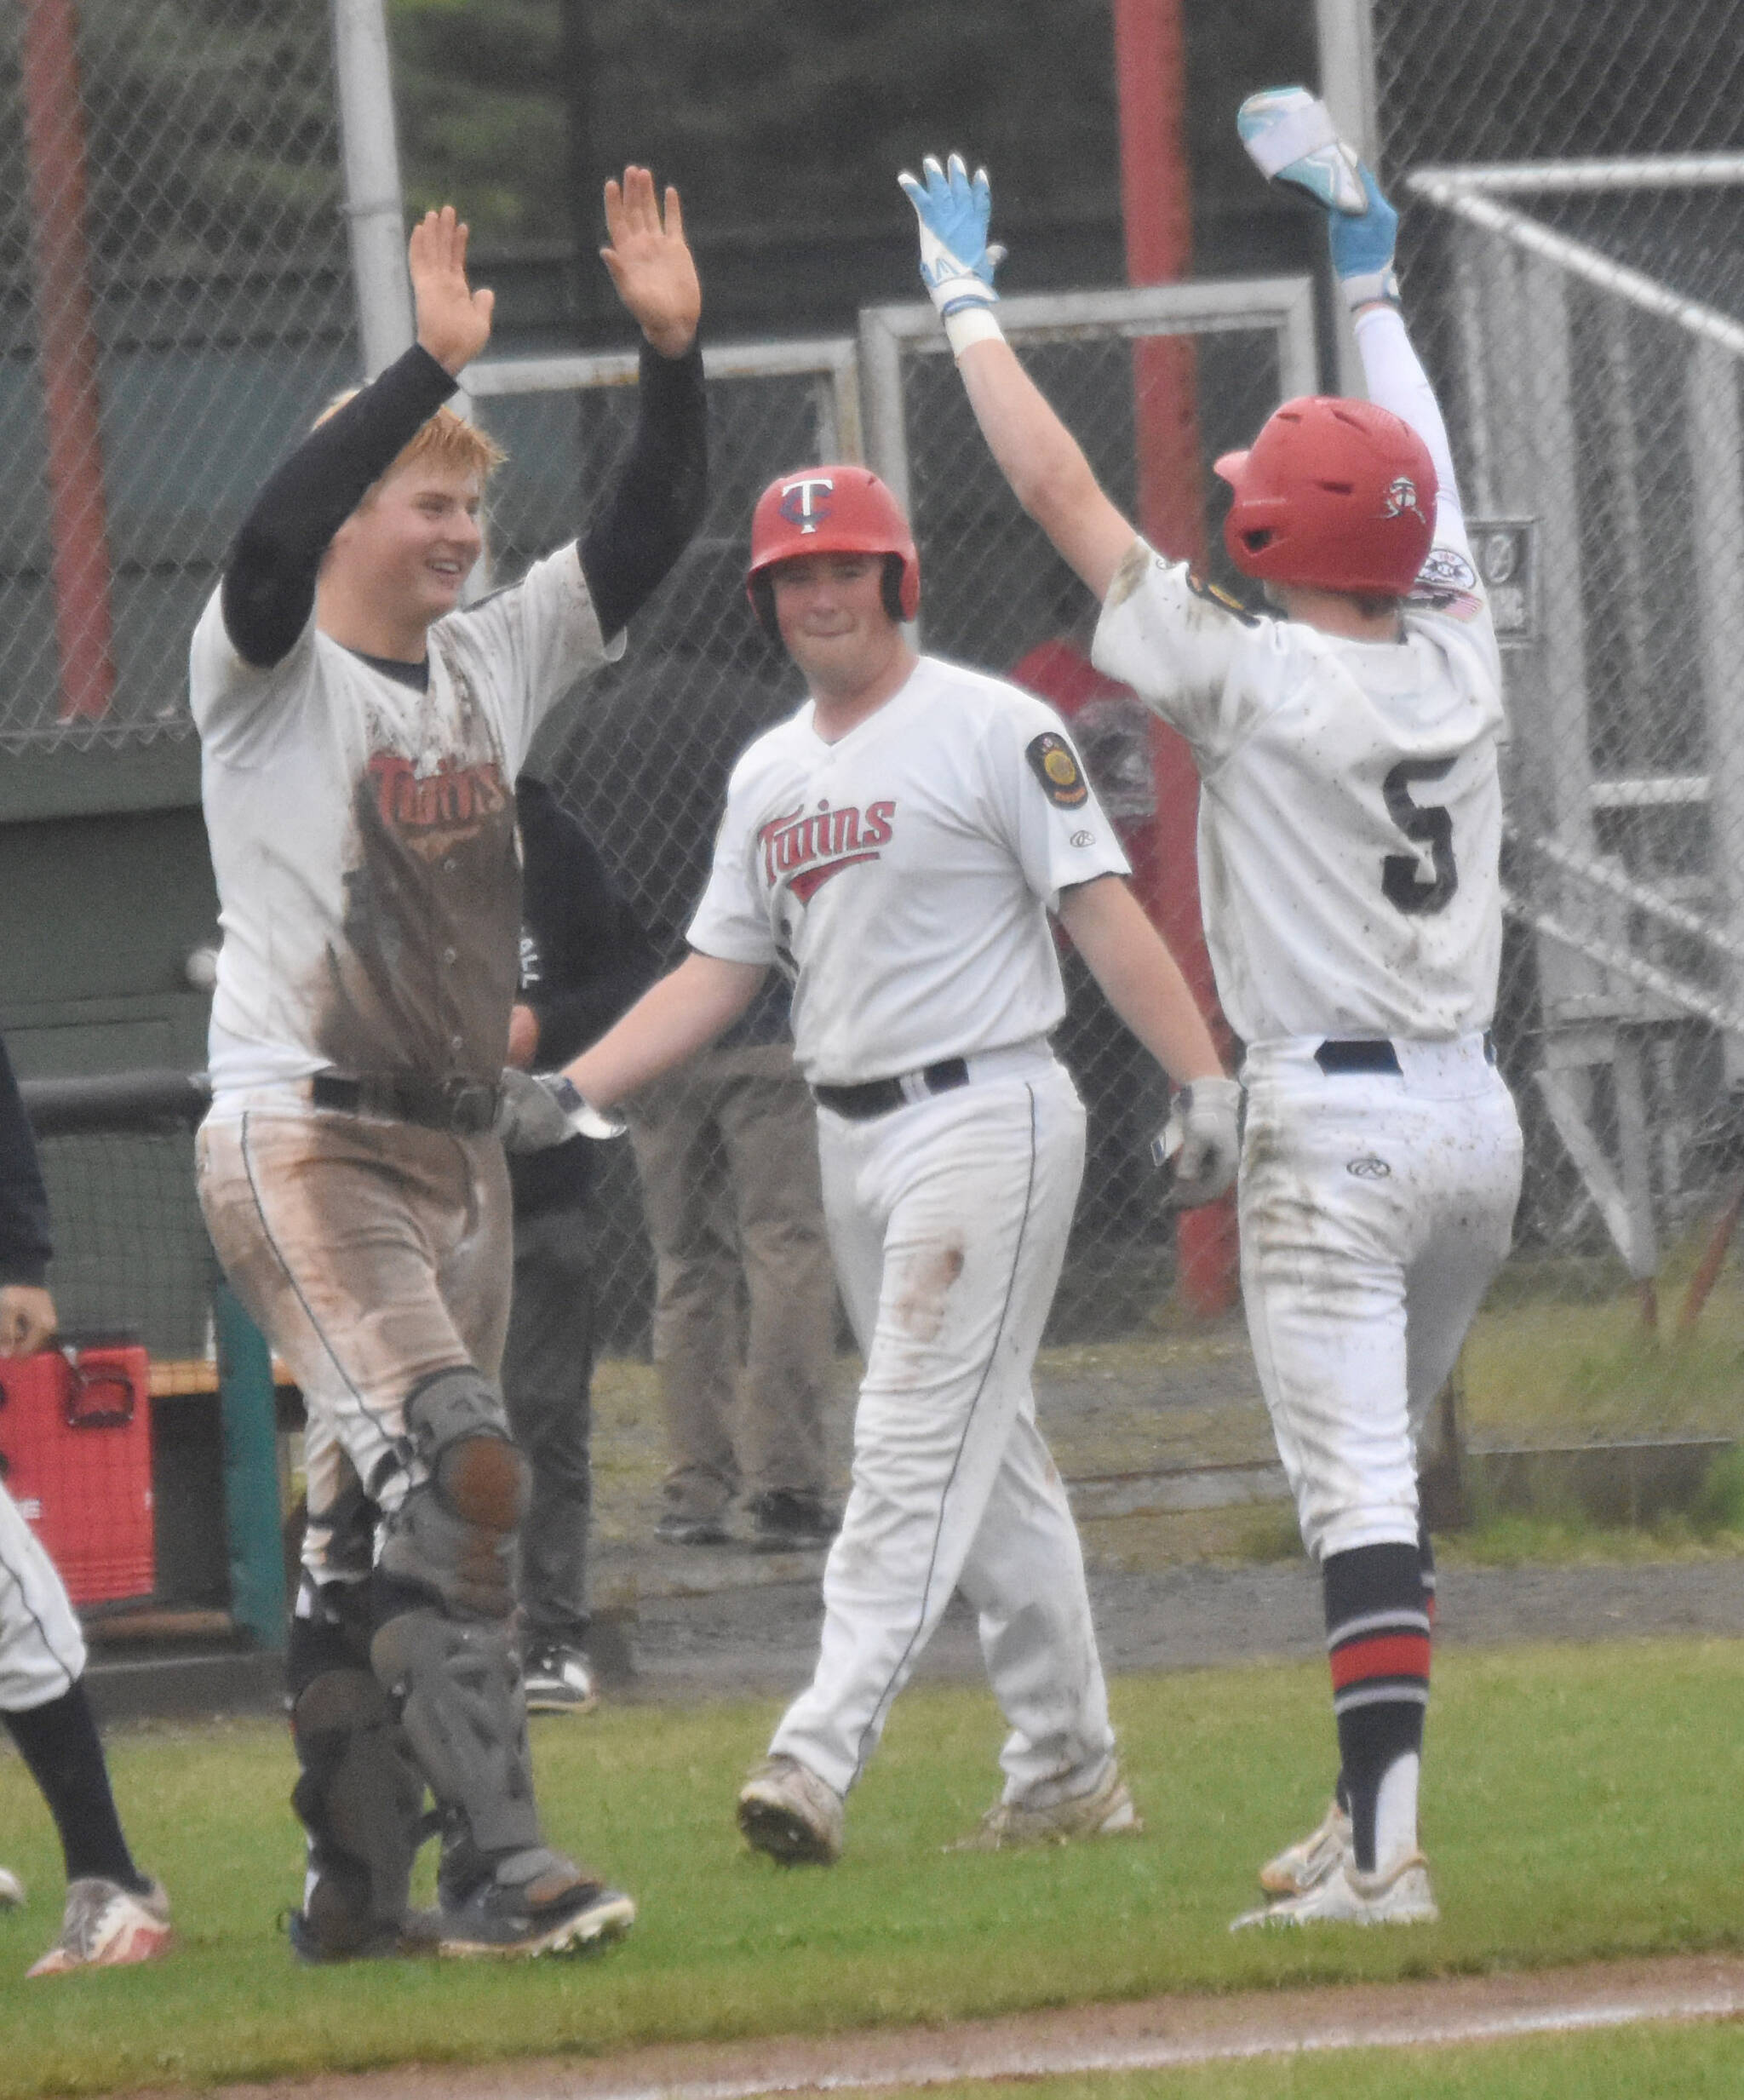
x=1374, y=1209
x=42, y=1649
x=948, y=1220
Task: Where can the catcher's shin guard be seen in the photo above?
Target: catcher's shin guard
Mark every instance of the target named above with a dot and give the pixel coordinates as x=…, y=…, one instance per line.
x=360, y=1797
x=460, y=1695
x=452, y=1537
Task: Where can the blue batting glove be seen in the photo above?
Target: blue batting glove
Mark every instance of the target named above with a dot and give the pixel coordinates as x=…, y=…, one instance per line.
x=956, y=262
x=1362, y=246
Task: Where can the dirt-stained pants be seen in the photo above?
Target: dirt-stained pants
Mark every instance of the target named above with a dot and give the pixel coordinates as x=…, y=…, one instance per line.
x=372, y=1252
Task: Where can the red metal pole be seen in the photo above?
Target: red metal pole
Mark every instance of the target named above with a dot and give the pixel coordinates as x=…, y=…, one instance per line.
x=1151, y=62
x=78, y=508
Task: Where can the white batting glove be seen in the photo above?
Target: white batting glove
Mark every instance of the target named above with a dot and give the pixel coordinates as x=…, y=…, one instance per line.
x=956, y=262
x=1200, y=1142
x=539, y=1109
x=1291, y=137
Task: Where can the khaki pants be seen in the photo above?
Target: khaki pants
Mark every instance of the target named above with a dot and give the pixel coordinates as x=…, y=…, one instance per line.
x=728, y=1156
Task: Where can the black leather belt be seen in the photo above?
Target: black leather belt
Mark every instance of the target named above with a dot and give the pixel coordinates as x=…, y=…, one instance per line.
x=1359, y=1055
x=878, y=1097
x=1366, y=1055
x=467, y=1105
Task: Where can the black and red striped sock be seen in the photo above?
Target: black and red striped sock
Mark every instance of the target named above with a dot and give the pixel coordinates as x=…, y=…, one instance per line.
x=1377, y=1635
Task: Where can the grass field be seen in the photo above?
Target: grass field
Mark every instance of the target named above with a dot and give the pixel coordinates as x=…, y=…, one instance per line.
x=1582, y=1803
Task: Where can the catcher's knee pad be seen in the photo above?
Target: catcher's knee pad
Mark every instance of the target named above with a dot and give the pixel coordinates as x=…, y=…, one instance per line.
x=458, y=1687
x=360, y=1796
x=454, y=1534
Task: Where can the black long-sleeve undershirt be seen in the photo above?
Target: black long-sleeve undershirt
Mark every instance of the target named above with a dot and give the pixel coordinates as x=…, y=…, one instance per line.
x=654, y=507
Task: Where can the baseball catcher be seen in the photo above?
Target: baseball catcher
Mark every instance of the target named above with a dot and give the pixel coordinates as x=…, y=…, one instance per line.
x=360, y=730
x=1349, y=825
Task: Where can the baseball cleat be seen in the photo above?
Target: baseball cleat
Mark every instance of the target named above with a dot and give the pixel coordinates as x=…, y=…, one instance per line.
x=11, y=1890
x=787, y=1522
x=1402, y=1895
x=1291, y=137
x=105, y=1926
x=786, y=1810
x=558, y=1680
x=1106, y=1811
x=502, y=1916
x=1306, y=1863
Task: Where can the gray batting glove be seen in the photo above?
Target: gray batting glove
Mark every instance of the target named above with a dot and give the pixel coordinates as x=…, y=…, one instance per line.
x=539, y=1109
x=1200, y=1142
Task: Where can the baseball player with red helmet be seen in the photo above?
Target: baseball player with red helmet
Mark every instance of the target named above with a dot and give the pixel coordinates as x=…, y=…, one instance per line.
x=895, y=847
x=1349, y=829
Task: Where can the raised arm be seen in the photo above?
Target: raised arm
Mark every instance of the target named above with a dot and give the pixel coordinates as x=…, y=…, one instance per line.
x=275, y=560
x=1038, y=456
x=656, y=502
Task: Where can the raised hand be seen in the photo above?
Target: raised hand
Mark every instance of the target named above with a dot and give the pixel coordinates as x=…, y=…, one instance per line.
x=650, y=263
x=956, y=262
x=454, y=321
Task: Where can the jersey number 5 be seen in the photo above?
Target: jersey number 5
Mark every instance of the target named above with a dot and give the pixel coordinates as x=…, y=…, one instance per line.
x=1430, y=825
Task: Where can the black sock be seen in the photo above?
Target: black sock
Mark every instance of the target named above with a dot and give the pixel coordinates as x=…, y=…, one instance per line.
x=59, y=1743
x=1376, y=1633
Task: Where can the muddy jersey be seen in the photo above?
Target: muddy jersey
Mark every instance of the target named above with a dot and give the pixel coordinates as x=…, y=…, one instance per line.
x=362, y=835
x=902, y=875
x=1350, y=805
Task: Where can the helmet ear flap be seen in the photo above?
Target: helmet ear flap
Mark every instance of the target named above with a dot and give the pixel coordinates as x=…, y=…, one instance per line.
x=891, y=586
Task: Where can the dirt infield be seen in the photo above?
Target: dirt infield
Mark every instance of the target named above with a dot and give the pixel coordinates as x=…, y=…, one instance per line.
x=1157, y=2033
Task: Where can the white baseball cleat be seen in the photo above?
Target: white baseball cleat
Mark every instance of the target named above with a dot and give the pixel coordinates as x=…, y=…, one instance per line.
x=1306, y=1863
x=1402, y=1895
x=106, y=1926
x=11, y=1890
x=1106, y=1811
x=786, y=1810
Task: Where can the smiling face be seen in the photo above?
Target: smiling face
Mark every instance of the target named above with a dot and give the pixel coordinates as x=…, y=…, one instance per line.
x=407, y=550
x=831, y=612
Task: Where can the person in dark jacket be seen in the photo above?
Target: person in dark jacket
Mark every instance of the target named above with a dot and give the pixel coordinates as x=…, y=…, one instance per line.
x=584, y=959
x=114, y=1914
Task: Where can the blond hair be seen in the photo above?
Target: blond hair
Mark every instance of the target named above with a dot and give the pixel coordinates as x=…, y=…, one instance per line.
x=444, y=440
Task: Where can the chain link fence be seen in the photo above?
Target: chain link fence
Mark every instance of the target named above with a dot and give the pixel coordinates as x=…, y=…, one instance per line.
x=645, y=759
x=1575, y=274
x=174, y=303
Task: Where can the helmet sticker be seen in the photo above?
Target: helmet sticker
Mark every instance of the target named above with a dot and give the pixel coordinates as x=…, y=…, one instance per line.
x=1055, y=765
x=1401, y=496
x=806, y=502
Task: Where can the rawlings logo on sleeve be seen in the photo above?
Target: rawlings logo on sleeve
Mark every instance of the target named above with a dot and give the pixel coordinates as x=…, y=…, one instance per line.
x=1055, y=765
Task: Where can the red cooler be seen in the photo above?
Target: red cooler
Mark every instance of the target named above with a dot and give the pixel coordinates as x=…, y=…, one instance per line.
x=76, y=1456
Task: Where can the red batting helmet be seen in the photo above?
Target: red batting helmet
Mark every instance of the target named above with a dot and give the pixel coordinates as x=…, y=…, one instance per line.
x=1337, y=494
x=832, y=510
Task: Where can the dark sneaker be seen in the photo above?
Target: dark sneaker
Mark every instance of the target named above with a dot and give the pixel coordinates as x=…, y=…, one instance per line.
x=559, y=1680
x=786, y=1522
x=675, y=1531
x=534, y=1903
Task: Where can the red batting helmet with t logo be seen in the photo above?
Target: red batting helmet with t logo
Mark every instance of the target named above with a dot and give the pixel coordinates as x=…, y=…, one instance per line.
x=832, y=510
x=1339, y=495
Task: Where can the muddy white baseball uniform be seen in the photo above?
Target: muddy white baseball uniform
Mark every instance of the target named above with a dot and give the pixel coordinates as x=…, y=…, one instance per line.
x=903, y=876
x=1350, y=827
x=363, y=837
x=42, y=1649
